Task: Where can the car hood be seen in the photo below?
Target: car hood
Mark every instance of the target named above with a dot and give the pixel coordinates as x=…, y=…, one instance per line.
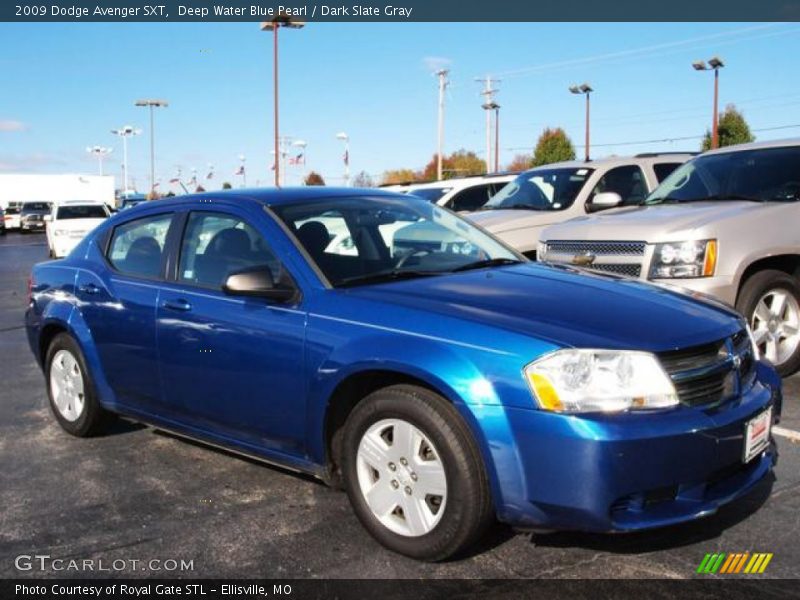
x=649, y=223
x=501, y=221
x=564, y=306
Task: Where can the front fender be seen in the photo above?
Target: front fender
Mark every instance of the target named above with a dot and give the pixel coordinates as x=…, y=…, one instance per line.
x=454, y=372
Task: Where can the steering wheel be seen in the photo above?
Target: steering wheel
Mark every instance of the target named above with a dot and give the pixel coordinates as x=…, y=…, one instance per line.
x=403, y=259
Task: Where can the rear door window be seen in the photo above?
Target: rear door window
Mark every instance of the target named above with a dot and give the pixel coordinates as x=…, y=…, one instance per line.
x=137, y=247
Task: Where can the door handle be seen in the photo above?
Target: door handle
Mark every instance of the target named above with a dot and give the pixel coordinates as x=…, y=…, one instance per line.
x=181, y=305
x=89, y=288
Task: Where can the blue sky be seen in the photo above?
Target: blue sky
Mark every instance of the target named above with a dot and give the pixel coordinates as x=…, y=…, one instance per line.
x=66, y=85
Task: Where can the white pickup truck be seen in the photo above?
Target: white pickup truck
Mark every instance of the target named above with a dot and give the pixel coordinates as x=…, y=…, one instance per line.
x=69, y=222
x=726, y=224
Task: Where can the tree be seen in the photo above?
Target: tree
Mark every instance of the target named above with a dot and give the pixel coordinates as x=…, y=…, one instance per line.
x=314, y=178
x=363, y=180
x=461, y=163
x=396, y=176
x=227, y=186
x=553, y=146
x=732, y=129
x=521, y=162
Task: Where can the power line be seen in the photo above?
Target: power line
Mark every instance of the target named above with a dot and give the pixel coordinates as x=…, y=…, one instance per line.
x=663, y=140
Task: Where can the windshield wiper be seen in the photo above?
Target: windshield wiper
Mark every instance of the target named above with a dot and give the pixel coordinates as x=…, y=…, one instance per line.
x=490, y=262
x=393, y=275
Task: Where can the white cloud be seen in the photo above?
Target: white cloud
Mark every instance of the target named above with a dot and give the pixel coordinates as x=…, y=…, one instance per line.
x=10, y=125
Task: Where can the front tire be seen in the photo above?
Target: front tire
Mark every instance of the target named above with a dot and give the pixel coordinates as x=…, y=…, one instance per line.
x=71, y=391
x=414, y=474
x=770, y=301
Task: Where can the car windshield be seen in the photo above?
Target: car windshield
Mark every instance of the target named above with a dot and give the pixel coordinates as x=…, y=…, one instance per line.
x=35, y=207
x=85, y=211
x=361, y=240
x=431, y=194
x=760, y=175
x=541, y=189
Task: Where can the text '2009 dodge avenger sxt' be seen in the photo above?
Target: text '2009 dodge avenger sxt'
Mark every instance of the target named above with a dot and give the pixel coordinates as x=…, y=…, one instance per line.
x=383, y=343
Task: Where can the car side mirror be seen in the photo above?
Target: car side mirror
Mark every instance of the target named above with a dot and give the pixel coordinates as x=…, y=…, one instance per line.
x=257, y=282
x=604, y=200
x=47, y=218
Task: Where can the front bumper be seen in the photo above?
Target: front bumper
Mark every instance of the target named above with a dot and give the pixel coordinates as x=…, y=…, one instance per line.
x=631, y=471
x=34, y=226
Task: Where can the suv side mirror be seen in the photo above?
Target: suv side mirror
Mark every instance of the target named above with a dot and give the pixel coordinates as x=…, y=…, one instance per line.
x=604, y=200
x=257, y=282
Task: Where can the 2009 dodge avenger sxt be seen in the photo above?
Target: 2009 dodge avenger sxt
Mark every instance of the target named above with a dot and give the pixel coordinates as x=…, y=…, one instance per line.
x=383, y=343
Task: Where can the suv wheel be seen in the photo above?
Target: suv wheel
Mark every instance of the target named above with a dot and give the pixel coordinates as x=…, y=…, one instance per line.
x=770, y=300
x=70, y=389
x=413, y=473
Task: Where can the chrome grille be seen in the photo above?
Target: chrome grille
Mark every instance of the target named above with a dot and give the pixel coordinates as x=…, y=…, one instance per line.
x=707, y=375
x=602, y=248
x=627, y=270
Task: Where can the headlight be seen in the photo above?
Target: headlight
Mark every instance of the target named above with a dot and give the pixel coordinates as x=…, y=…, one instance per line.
x=684, y=259
x=573, y=380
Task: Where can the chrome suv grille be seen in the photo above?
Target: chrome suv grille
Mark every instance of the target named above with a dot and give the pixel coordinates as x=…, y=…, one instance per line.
x=624, y=269
x=618, y=257
x=596, y=248
x=709, y=374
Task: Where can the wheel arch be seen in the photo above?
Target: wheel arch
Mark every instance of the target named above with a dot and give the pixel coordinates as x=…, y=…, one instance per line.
x=787, y=262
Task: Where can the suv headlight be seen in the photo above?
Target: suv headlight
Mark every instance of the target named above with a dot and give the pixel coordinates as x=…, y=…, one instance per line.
x=577, y=380
x=676, y=260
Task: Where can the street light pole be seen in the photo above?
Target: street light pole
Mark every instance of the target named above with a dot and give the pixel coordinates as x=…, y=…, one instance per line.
x=346, y=139
x=586, y=90
x=442, y=75
x=125, y=132
x=100, y=152
x=282, y=20
x=151, y=104
x=715, y=64
x=497, y=138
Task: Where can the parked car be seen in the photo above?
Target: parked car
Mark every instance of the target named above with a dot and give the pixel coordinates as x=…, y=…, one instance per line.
x=519, y=212
x=2, y=221
x=441, y=388
x=465, y=194
x=12, y=216
x=724, y=224
x=69, y=222
x=32, y=216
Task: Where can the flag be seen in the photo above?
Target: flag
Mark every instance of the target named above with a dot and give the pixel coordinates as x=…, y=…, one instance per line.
x=272, y=168
x=210, y=175
x=346, y=158
x=239, y=171
x=297, y=160
x=156, y=184
x=174, y=180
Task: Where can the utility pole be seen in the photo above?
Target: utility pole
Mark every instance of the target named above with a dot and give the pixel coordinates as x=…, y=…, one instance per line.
x=488, y=106
x=443, y=83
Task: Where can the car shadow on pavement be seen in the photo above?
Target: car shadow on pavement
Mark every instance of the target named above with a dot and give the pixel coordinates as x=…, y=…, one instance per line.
x=121, y=426
x=664, y=538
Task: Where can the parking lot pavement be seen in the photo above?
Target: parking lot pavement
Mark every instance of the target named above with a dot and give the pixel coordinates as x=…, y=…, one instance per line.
x=137, y=494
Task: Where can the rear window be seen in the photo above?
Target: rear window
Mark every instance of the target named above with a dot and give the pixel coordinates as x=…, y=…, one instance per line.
x=664, y=170
x=86, y=211
x=36, y=207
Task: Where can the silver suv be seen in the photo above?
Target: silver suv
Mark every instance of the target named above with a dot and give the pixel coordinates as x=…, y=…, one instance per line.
x=553, y=193
x=725, y=224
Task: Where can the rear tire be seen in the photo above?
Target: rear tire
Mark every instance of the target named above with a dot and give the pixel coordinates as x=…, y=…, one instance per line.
x=71, y=390
x=414, y=474
x=770, y=301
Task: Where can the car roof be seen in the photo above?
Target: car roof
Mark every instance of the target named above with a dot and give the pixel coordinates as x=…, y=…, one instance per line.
x=76, y=202
x=785, y=143
x=463, y=181
x=613, y=161
x=277, y=197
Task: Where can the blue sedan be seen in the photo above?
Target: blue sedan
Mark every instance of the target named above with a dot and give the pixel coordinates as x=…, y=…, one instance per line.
x=384, y=344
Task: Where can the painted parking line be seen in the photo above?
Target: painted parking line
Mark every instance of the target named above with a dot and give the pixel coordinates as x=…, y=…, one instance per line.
x=787, y=433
